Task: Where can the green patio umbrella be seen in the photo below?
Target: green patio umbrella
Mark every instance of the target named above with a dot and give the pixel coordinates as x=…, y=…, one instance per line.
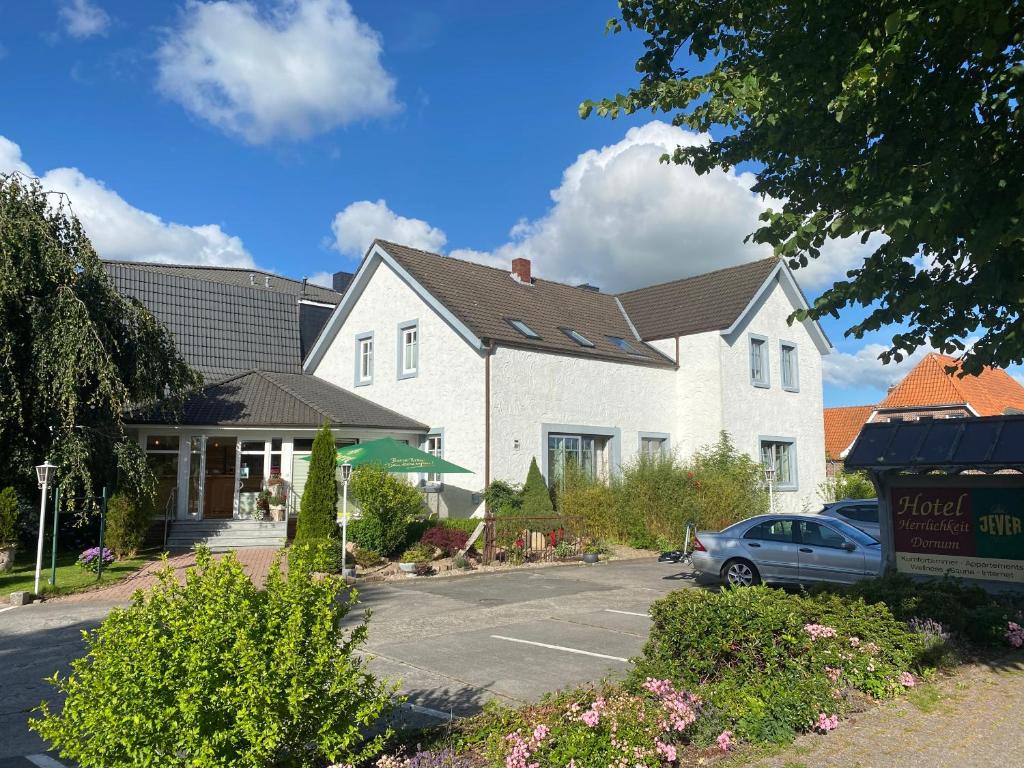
x=395, y=457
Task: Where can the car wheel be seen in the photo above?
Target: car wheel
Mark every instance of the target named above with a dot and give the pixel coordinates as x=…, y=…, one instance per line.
x=741, y=573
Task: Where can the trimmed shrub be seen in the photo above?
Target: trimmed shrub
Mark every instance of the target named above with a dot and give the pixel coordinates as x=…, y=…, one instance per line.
x=594, y=503
x=464, y=524
x=318, y=510
x=8, y=517
x=536, y=496
x=728, y=486
x=503, y=498
x=768, y=663
x=448, y=540
x=387, y=505
x=218, y=672
x=318, y=555
x=127, y=521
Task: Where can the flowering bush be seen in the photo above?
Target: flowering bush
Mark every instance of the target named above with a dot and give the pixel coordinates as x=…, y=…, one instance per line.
x=448, y=540
x=90, y=559
x=767, y=664
x=1015, y=634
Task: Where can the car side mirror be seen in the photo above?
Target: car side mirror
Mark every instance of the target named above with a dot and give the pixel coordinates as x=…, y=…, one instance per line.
x=849, y=546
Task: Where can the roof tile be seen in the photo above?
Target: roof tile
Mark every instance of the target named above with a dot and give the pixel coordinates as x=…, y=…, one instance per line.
x=991, y=393
x=842, y=425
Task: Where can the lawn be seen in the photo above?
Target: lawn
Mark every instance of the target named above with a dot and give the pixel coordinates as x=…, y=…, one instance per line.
x=71, y=577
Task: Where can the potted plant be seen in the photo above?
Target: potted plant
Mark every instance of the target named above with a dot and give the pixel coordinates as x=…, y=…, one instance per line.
x=592, y=551
x=415, y=557
x=262, y=505
x=8, y=528
x=278, y=499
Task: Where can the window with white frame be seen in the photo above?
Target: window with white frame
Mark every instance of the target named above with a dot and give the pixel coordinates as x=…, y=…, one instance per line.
x=653, y=447
x=759, y=361
x=434, y=445
x=779, y=454
x=789, y=371
x=364, y=359
x=585, y=452
x=408, y=350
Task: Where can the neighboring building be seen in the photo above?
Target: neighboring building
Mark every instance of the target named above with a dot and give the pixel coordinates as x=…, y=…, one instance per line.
x=933, y=389
x=247, y=332
x=504, y=367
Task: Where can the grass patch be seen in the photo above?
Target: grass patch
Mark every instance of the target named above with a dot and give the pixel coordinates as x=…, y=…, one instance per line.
x=71, y=577
x=926, y=698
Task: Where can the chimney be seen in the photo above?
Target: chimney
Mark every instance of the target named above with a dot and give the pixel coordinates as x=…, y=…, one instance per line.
x=340, y=281
x=521, y=271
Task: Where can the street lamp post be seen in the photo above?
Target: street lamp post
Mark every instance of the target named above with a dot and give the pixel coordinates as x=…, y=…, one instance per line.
x=346, y=473
x=769, y=478
x=44, y=474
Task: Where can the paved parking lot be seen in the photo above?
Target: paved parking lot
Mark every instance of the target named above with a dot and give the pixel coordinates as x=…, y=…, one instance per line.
x=453, y=642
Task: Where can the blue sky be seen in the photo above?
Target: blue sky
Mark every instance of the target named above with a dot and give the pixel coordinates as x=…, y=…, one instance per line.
x=284, y=134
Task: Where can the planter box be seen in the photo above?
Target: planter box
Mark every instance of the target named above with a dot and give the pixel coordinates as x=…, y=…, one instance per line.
x=591, y=557
x=408, y=567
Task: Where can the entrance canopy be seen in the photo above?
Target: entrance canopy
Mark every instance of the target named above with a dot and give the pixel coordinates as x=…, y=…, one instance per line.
x=397, y=457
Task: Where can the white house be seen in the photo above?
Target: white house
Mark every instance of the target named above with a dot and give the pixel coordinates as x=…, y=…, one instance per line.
x=503, y=367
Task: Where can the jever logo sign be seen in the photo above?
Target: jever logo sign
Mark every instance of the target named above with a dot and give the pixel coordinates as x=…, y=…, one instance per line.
x=975, y=533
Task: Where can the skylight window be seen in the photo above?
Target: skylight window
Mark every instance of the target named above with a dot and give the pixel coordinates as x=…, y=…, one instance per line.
x=523, y=328
x=624, y=345
x=578, y=337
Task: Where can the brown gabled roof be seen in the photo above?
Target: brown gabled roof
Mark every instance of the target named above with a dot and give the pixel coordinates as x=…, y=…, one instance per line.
x=708, y=302
x=842, y=425
x=485, y=298
x=993, y=392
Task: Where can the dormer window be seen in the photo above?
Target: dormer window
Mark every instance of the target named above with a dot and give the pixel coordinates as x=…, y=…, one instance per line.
x=624, y=345
x=523, y=328
x=578, y=337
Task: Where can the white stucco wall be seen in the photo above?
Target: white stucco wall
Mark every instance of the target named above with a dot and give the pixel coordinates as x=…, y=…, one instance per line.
x=530, y=389
x=749, y=412
x=699, y=391
x=447, y=393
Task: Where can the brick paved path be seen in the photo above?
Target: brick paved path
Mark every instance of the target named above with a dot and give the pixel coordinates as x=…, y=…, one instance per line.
x=256, y=562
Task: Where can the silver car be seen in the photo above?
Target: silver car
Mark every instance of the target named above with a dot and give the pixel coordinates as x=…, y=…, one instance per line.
x=860, y=513
x=787, y=549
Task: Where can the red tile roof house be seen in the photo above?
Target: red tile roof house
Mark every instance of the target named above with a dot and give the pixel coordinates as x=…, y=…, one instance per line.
x=504, y=366
x=929, y=391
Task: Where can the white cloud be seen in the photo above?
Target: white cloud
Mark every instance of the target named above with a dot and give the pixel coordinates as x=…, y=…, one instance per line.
x=621, y=219
x=118, y=230
x=325, y=279
x=299, y=68
x=82, y=18
x=863, y=368
x=358, y=224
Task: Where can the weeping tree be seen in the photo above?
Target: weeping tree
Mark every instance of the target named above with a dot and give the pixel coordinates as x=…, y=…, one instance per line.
x=75, y=354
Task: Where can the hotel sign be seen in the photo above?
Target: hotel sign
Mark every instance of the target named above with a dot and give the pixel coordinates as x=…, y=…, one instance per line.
x=971, y=533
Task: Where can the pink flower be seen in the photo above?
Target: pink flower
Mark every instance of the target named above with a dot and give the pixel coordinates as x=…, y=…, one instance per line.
x=818, y=631
x=826, y=723
x=833, y=673
x=854, y=642
x=1015, y=634
x=667, y=751
x=725, y=742
x=591, y=718
x=906, y=680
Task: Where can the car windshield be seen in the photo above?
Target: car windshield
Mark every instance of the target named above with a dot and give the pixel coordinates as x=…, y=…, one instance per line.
x=854, y=533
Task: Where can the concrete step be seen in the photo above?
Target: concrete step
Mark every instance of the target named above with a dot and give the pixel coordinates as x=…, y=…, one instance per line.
x=220, y=535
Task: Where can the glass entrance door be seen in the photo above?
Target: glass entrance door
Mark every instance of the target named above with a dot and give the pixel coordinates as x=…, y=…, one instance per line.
x=219, y=478
x=251, y=477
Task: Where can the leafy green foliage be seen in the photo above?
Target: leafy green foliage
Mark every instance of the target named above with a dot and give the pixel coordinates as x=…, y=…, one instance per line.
x=891, y=121
x=655, y=497
x=761, y=661
x=318, y=510
x=536, y=496
x=74, y=353
x=8, y=517
x=503, y=498
x=847, y=485
x=127, y=522
x=970, y=612
x=418, y=553
x=318, y=555
x=216, y=672
x=387, y=506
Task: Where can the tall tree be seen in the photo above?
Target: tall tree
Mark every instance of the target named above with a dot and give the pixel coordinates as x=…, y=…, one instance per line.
x=891, y=118
x=74, y=353
x=318, y=510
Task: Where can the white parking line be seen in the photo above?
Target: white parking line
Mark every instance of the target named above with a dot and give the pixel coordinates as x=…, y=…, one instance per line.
x=628, y=613
x=44, y=761
x=560, y=648
x=11, y=608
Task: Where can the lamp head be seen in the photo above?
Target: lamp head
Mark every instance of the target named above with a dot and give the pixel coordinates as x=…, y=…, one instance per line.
x=45, y=473
x=346, y=471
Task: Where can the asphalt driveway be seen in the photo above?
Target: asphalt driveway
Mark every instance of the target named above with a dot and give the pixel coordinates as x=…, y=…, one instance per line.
x=453, y=643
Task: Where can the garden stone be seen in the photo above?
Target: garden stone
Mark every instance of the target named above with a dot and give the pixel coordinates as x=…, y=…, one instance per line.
x=21, y=598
